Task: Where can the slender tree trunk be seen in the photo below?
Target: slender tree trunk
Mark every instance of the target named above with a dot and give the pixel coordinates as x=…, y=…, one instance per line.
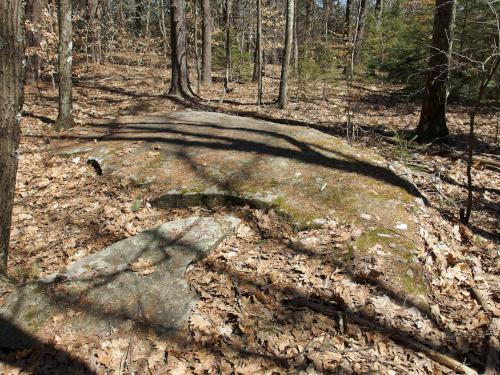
x=466, y=213
x=295, y=44
x=206, y=43
x=95, y=30
x=65, y=116
x=148, y=18
x=347, y=22
x=309, y=19
x=432, y=124
x=285, y=67
x=379, y=4
x=180, y=80
x=326, y=15
x=33, y=39
x=138, y=24
x=11, y=101
x=196, y=53
x=360, y=30
x=259, y=52
x=227, y=19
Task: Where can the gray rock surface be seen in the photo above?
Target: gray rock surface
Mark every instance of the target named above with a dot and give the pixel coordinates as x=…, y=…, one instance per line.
x=139, y=280
x=310, y=178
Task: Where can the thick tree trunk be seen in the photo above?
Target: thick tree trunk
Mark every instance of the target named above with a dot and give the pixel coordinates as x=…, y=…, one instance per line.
x=11, y=100
x=432, y=124
x=285, y=67
x=258, y=50
x=180, y=80
x=65, y=117
x=206, y=70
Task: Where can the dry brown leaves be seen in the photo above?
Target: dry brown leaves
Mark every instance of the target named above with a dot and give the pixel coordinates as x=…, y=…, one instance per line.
x=244, y=322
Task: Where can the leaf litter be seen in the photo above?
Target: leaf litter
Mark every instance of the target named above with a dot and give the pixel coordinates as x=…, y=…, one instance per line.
x=246, y=321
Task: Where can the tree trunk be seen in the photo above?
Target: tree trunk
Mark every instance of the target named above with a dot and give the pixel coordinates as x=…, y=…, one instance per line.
x=180, y=80
x=360, y=30
x=285, y=67
x=33, y=39
x=196, y=54
x=258, y=50
x=379, y=4
x=227, y=19
x=206, y=72
x=347, y=22
x=326, y=15
x=11, y=100
x=432, y=124
x=95, y=30
x=295, y=44
x=138, y=12
x=65, y=117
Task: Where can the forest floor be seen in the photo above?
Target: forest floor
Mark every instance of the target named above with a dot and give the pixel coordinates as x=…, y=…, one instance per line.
x=63, y=212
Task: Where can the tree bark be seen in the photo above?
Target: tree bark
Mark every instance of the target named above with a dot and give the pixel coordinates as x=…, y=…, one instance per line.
x=360, y=32
x=432, y=124
x=95, y=30
x=295, y=44
x=65, y=116
x=196, y=54
x=11, y=100
x=347, y=22
x=33, y=39
x=206, y=70
x=285, y=67
x=258, y=50
x=180, y=80
x=227, y=19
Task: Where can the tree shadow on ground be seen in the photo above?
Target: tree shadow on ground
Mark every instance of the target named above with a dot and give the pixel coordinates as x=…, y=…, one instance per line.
x=42, y=358
x=63, y=297
x=192, y=138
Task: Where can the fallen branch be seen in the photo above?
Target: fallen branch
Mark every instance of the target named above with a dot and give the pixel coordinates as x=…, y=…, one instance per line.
x=396, y=336
x=483, y=302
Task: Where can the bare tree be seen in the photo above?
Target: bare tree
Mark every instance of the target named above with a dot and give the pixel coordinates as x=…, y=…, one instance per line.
x=206, y=70
x=285, y=67
x=180, y=80
x=65, y=116
x=432, y=124
x=486, y=70
x=11, y=100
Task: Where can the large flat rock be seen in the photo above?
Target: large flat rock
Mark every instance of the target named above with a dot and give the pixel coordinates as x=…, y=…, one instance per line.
x=192, y=158
x=199, y=158
x=138, y=280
